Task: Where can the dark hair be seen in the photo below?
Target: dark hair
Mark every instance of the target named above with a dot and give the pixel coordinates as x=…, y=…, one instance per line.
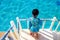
x=35, y=12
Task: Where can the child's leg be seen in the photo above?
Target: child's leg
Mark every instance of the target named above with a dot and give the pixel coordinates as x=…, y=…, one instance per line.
x=36, y=35
x=32, y=34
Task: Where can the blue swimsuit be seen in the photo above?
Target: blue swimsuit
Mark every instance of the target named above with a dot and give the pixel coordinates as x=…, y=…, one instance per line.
x=34, y=24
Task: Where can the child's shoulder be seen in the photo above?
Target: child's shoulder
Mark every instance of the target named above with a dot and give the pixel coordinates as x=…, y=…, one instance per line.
x=31, y=18
x=39, y=19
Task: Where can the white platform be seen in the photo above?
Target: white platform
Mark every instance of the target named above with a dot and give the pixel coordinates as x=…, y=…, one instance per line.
x=43, y=35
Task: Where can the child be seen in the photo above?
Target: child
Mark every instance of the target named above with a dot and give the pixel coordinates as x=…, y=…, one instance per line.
x=34, y=24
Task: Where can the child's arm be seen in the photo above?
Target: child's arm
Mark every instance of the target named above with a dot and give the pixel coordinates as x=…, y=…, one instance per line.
x=30, y=24
x=40, y=22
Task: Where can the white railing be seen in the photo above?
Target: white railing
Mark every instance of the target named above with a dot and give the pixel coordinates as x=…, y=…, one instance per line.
x=57, y=26
x=13, y=27
x=18, y=32
x=44, y=21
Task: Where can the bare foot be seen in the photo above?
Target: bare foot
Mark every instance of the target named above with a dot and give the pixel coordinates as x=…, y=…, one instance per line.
x=36, y=36
x=31, y=34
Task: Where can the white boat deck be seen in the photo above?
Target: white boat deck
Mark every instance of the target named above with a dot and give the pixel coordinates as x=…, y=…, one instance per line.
x=43, y=35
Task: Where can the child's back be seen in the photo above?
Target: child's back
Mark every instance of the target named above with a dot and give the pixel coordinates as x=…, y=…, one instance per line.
x=34, y=23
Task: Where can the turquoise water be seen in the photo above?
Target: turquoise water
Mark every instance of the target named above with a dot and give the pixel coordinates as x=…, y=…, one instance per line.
x=10, y=9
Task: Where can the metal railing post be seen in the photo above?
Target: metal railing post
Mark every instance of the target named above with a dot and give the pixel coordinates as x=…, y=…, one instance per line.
x=57, y=26
x=19, y=26
x=43, y=24
x=15, y=30
x=54, y=19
